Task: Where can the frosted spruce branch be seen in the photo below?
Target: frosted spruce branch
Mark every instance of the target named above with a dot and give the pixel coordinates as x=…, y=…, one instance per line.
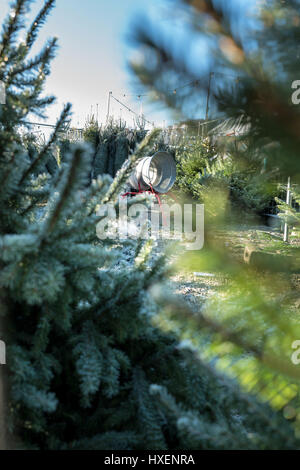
x=124, y=173
x=62, y=120
x=38, y=22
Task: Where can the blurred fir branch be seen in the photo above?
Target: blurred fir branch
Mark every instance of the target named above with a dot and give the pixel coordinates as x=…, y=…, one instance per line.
x=88, y=366
x=255, y=317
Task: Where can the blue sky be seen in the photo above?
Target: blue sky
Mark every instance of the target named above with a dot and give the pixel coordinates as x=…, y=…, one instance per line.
x=93, y=55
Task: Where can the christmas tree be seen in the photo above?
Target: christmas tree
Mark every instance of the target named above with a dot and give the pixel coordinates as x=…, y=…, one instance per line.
x=87, y=368
x=235, y=69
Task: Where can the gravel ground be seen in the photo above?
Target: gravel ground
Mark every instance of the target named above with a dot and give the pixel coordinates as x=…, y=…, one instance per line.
x=198, y=287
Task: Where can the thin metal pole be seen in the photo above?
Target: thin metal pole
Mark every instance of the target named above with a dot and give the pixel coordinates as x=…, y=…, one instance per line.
x=108, y=106
x=288, y=201
x=141, y=107
x=208, y=95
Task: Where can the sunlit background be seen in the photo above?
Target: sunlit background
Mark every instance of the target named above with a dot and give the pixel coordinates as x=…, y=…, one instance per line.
x=95, y=47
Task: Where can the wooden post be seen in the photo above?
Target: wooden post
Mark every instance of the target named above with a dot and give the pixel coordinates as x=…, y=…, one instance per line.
x=272, y=262
x=288, y=201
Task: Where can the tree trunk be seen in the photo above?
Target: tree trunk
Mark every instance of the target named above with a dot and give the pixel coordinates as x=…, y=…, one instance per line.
x=7, y=440
x=3, y=443
x=3, y=388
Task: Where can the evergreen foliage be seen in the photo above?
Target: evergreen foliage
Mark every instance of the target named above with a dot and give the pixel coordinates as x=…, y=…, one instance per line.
x=88, y=368
x=251, y=324
x=234, y=170
x=289, y=213
x=112, y=145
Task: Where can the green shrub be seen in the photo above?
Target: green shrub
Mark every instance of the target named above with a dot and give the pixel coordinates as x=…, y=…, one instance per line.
x=205, y=171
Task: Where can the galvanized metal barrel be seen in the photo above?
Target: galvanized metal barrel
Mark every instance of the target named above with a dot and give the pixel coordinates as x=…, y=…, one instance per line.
x=158, y=172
